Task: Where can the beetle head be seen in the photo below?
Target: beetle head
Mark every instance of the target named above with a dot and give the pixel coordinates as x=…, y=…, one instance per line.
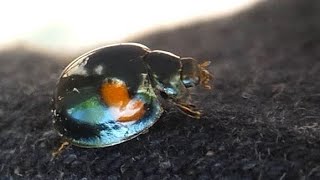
x=193, y=73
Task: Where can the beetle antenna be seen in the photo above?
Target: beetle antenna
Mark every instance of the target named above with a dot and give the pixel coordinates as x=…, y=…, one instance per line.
x=205, y=76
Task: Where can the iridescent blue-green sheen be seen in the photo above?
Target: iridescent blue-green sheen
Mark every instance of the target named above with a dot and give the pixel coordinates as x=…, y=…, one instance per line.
x=112, y=132
x=111, y=94
x=79, y=112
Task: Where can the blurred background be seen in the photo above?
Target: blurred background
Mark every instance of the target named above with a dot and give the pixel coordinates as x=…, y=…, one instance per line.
x=68, y=26
x=261, y=120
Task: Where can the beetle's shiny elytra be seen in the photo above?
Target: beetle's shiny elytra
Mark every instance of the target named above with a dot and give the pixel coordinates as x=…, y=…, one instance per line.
x=111, y=94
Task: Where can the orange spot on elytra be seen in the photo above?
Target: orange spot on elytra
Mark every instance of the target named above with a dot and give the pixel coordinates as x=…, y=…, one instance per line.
x=116, y=94
x=138, y=109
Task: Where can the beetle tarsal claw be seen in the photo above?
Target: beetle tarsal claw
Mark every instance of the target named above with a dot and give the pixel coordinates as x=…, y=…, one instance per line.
x=189, y=109
x=205, y=76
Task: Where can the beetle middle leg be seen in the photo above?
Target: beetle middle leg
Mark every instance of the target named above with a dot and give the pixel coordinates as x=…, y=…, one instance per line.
x=188, y=109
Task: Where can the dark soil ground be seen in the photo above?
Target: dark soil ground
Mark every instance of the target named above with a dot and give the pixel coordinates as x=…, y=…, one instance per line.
x=261, y=120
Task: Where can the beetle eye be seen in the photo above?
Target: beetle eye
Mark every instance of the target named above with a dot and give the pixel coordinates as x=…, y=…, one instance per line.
x=190, y=72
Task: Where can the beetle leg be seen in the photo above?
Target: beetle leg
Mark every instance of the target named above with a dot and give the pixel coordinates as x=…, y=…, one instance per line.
x=60, y=149
x=188, y=109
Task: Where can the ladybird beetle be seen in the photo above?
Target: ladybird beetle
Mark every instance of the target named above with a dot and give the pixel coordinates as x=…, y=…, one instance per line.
x=112, y=94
